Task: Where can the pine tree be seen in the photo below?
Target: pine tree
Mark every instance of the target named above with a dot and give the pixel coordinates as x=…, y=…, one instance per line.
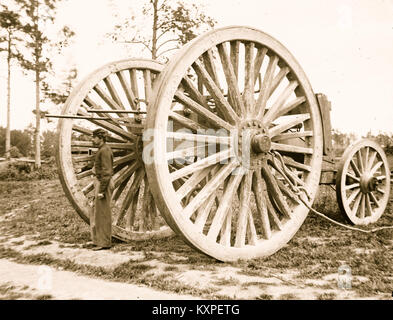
x=9, y=35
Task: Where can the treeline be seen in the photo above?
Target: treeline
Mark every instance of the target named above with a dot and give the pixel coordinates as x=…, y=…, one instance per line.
x=342, y=140
x=22, y=143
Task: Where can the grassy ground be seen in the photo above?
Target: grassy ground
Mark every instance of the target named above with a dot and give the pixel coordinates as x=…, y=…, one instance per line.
x=319, y=248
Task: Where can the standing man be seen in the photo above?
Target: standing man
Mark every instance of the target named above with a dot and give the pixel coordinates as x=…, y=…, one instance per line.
x=101, y=217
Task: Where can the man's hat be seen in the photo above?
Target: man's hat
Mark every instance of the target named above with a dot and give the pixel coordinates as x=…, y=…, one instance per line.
x=101, y=133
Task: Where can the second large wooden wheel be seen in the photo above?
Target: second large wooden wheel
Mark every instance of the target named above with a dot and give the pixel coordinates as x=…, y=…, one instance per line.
x=234, y=132
x=115, y=97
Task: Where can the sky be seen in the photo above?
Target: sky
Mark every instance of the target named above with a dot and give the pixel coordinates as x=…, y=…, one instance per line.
x=345, y=48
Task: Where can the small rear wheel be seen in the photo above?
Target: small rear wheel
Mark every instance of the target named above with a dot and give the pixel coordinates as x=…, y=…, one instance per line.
x=363, y=182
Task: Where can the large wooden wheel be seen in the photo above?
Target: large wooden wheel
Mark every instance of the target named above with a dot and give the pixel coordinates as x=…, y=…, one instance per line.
x=120, y=86
x=363, y=182
x=234, y=124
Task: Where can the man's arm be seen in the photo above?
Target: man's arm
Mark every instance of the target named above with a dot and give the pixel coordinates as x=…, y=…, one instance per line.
x=106, y=169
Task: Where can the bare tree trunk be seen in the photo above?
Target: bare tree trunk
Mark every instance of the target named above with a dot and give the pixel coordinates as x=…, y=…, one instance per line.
x=8, y=130
x=37, y=139
x=38, y=121
x=154, y=40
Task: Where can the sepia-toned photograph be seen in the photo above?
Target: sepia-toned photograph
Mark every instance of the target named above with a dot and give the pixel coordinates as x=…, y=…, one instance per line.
x=210, y=152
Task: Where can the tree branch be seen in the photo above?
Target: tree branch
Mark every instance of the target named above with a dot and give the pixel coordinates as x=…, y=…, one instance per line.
x=167, y=41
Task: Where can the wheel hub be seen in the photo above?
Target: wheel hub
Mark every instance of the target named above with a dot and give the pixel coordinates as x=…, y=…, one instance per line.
x=253, y=144
x=368, y=183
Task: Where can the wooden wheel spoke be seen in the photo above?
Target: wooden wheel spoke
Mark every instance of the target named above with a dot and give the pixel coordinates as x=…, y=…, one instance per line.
x=261, y=204
x=126, y=174
x=211, y=186
x=360, y=160
x=350, y=175
x=291, y=148
x=216, y=93
x=134, y=82
x=232, y=81
x=287, y=191
x=353, y=195
x=293, y=135
x=221, y=157
x=266, y=85
x=249, y=84
x=88, y=188
x=251, y=230
x=110, y=127
x=193, y=92
x=225, y=205
x=374, y=199
x=297, y=165
x=370, y=159
x=234, y=49
x=203, y=212
x=362, y=207
x=278, y=104
x=88, y=132
x=275, y=192
x=198, y=151
x=277, y=79
x=242, y=221
x=208, y=60
x=120, y=189
x=226, y=230
x=200, y=138
x=374, y=169
x=113, y=93
x=148, y=87
x=186, y=122
x=356, y=204
x=139, y=174
x=277, y=110
x=193, y=181
x=288, y=124
x=261, y=53
x=127, y=90
x=202, y=111
x=368, y=205
x=108, y=100
x=355, y=168
x=352, y=186
x=274, y=219
x=132, y=211
x=89, y=105
x=125, y=159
